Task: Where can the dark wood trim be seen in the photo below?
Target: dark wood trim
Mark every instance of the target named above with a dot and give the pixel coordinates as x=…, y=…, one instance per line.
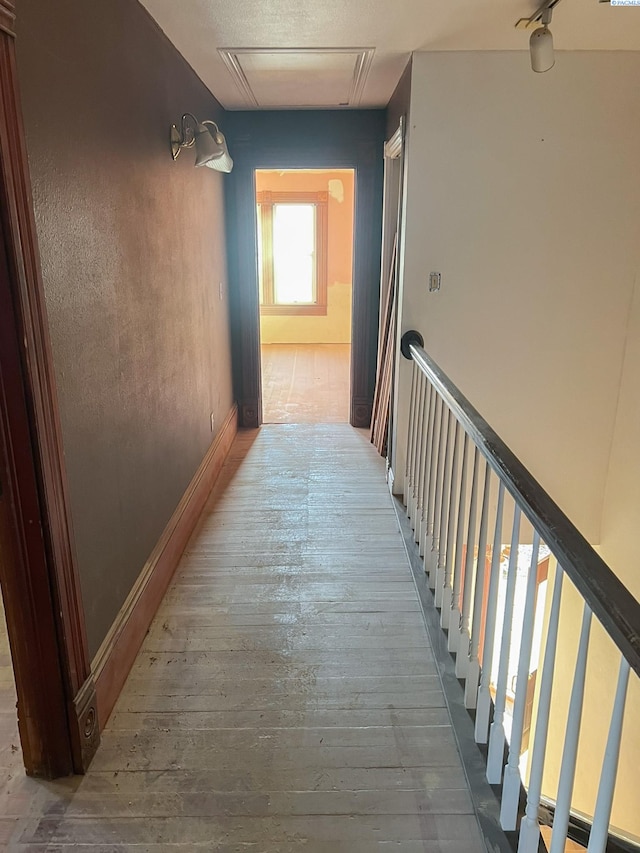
x=250, y=412
x=24, y=575
x=117, y=653
x=50, y=568
x=7, y=17
x=610, y=601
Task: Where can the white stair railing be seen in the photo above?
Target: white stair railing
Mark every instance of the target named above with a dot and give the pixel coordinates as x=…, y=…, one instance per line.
x=506, y=641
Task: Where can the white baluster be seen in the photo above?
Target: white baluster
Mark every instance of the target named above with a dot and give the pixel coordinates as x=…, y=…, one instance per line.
x=445, y=509
x=433, y=457
x=423, y=465
x=417, y=447
x=496, y=735
x=529, y=827
x=462, y=651
x=602, y=814
x=454, y=614
x=412, y=446
x=473, y=667
x=429, y=465
x=511, y=781
x=483, y=705
x=437, y=497
x=451, y=530
x=572, y=735
x=412, y=413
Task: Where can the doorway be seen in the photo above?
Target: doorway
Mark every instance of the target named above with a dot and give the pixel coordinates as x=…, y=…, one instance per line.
x=310, y=139
x=305, y=281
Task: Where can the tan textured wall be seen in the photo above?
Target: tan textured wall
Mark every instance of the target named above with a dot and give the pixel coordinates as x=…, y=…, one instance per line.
x=335, y=327
x=133, y=257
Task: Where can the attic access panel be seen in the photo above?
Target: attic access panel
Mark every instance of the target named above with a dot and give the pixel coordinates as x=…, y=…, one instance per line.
x=272, y=78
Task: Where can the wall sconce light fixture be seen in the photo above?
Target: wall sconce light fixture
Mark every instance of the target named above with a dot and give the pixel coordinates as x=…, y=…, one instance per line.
x=210, y=144
x=541, y=41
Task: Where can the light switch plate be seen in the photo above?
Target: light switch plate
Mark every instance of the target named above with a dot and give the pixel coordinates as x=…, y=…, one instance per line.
x=434, y=281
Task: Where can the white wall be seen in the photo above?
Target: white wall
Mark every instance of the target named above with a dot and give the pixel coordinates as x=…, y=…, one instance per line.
x=620, y=545
x=523, y=190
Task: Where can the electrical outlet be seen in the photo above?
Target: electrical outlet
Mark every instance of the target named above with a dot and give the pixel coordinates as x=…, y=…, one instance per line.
x=213, y=421
x=434, y=281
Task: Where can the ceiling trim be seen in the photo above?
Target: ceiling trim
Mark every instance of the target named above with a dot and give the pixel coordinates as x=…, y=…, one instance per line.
x=231, y=56
x=360, y=74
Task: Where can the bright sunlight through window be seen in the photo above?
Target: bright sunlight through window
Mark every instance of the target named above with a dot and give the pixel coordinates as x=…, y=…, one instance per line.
x=294, y=248
x=292, y=252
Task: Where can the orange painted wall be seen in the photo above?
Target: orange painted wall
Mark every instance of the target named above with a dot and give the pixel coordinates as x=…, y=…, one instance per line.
x=335, y=327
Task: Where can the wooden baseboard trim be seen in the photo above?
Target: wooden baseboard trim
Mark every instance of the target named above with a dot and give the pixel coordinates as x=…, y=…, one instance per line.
x=117, y=653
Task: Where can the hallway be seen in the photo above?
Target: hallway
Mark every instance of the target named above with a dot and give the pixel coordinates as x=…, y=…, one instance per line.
x=286, y=696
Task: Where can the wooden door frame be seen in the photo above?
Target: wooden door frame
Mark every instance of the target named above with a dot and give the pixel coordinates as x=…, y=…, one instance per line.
x=274, y=142
x=45, y=619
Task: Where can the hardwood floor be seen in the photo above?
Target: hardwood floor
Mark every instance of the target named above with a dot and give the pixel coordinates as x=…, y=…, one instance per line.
x=12, y=801
x=305, y=383
x=286, y=696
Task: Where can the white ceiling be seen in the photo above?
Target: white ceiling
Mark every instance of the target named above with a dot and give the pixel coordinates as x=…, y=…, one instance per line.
x=275, y=74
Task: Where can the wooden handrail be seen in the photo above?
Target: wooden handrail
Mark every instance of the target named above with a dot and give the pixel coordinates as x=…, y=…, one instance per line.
x=608, y=598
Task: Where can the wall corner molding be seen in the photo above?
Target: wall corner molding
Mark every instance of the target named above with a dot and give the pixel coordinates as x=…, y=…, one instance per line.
x=85, y=734
x=116, y=655
x=361, y=411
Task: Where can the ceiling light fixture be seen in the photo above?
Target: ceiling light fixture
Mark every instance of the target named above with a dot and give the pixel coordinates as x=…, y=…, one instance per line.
x=541, y=41
x=210, y=144
x=541, y=45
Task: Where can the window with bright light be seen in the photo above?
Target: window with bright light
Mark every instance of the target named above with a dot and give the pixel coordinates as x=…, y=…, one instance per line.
x=292, y=241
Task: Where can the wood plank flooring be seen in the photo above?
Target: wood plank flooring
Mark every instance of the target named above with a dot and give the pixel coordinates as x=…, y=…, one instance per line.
x=286, y=696
x=305, y=383
x=12, y=800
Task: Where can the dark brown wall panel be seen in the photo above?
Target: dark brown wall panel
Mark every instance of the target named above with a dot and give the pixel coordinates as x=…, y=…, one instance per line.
x=133, y=258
